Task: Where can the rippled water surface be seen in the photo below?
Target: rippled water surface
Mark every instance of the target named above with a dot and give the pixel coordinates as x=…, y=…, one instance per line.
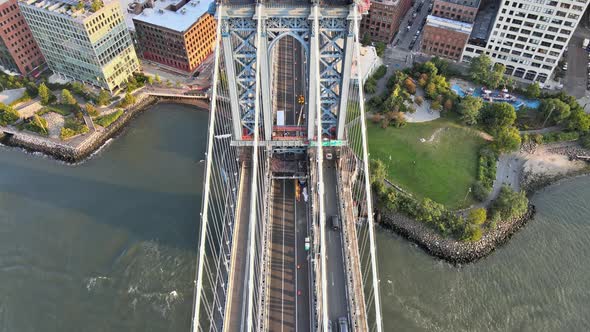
x=539, y=281
x=110, y=245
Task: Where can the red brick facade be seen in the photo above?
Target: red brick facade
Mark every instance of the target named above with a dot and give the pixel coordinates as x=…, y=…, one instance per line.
x=455, y=11
x=443, y=42
x=17, y=46
x=183, y=51
x=384, y=18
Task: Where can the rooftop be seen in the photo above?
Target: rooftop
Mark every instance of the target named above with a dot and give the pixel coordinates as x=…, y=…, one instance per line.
x=164, y=14
x=386, y=2
x=484, y=21
x=73, y=8
x=445, y=23
x=469, y=3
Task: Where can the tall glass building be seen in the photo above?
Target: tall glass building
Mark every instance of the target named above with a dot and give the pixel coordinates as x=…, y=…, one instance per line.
x=83, y=43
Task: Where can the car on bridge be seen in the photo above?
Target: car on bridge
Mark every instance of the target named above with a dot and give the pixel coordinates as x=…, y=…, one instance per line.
x=343, y=324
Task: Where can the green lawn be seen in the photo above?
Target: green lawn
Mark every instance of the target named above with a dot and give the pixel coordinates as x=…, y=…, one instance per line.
x=442, y=169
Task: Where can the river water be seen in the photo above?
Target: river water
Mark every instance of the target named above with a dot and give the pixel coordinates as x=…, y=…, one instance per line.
x=110, y=245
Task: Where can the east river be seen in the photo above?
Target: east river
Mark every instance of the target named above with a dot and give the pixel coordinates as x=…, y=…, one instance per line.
x=110, y=245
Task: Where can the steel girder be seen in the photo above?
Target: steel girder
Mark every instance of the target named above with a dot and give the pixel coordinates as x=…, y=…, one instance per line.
x=332, y=39
x=242, y=32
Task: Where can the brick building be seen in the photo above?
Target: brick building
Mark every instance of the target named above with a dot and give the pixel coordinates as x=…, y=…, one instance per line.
x=383, y=20
x=458, y=10
x=180, y=36
x=18, y=50
x=445, y=38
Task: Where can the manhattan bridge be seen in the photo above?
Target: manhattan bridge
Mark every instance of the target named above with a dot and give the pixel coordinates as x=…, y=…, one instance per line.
x=286, y=239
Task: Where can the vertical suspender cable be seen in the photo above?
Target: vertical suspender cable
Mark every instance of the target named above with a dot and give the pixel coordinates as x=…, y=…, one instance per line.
x=253, y=208
x=319, y=131
x=205, y=210
x=373, y=251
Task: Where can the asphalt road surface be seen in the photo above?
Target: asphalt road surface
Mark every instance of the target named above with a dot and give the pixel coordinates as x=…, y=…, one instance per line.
x=289, y=81
x=337, y=303
x=404, y=37
x=289, y=308
x=576, y=75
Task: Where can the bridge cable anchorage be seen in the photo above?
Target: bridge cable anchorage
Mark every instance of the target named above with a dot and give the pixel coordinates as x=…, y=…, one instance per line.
x=369, y=202
x=255, y=161
x=204, y=215
x=320, y=157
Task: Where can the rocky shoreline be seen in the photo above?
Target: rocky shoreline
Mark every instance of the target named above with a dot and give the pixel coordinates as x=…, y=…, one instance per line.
x=80, y=152
x=448, y=249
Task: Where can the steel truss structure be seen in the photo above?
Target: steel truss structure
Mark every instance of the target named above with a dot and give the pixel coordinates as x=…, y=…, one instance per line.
x=240, y=147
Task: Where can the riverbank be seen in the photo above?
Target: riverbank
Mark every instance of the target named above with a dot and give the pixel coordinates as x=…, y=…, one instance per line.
x=448, y=249
x=80, y=148
x=539, y=166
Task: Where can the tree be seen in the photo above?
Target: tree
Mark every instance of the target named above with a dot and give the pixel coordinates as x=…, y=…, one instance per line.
x=479, y=68
x=129, y=99
x=496, y=75
x=480, y=191
x=419, y=100
x=8, y=115
x=44, y=94
x=32, y=89
x=380, y=48
x=554, y=110
x=477, y=216
x=498, y=115
x=533, y=90
x=91, y=110
x=469, y=109
x=150, y=80
x=441, y=64
x=430, y=90
x=67, y=98
x=472, y=233
x=509, y=203
x=104, y=97
x=410, y=85
x=80, y=5
x=435, y=105
x=429, y=68
x=378, y=170
x=371, y=85
x=430, y=211
x=157, y=79
x=579, y=121
x=366, y=40
x=96, y=5
x=448, y=105
x=507, y=139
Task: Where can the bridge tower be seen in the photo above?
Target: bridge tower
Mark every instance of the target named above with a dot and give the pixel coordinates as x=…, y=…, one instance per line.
x=286, y=106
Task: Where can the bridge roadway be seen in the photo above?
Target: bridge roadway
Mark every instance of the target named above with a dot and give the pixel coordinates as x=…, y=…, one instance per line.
x=234, y=319
x=289, y=293
x=337, y=301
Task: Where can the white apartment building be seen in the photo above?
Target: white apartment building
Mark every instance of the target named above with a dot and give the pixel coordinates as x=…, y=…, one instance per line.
x=527, y=36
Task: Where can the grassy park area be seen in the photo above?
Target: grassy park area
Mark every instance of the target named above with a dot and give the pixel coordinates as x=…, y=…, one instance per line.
x=443, y=167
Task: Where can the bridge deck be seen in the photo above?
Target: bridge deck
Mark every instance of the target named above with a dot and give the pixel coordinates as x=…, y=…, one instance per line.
x=337, y=302
x=236, y=297
x=288, y=310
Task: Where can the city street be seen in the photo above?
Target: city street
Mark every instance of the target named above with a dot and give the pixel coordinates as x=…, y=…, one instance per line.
x=405, y=38
x=576, y=76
